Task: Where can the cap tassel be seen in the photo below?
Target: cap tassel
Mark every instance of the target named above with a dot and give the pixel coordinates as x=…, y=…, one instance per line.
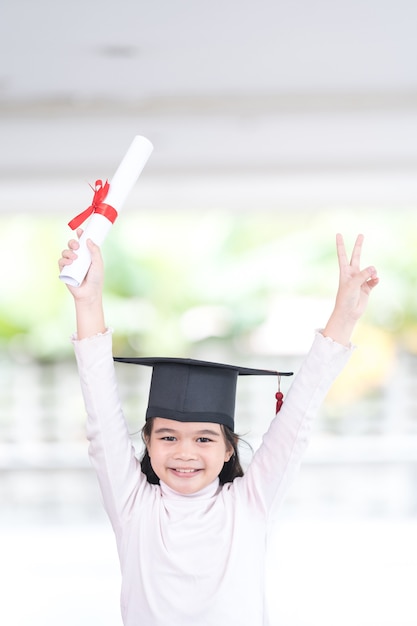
x=279, y=396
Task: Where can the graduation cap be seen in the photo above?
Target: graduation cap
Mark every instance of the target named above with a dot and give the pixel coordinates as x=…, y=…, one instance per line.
x=189, y=390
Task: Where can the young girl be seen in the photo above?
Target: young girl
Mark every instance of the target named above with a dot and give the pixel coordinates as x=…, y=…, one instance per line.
x=192, y=537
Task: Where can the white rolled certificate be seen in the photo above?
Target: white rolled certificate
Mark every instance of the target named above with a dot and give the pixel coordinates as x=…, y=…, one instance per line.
x=101, y=221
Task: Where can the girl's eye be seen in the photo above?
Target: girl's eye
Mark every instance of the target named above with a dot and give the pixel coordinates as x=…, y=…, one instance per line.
x=203, y=440
x=168, y=438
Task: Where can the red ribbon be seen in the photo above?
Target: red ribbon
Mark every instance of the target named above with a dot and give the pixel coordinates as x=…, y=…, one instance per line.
x=97, y=206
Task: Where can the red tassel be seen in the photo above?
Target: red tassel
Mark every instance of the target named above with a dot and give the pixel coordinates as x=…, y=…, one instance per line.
x=279, y=396
x=280, y=400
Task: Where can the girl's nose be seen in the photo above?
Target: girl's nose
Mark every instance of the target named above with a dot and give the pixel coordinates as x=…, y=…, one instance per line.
x=185, y=451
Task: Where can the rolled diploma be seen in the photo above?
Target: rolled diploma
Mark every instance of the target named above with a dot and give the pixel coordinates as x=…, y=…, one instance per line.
x=98, y=225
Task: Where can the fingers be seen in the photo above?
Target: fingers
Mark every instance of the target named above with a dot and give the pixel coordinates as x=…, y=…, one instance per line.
x=373, y=282
x=95, y=252
x=370, y=277
x=74, y=244
x=341, y=251
x=365, y=280
x=356, y=253
x=94, y=249
x=68, y=255
x=369, y=273
x=71, y=253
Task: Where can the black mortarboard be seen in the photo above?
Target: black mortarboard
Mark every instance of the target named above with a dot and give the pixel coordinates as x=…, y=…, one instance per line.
x=188, y=390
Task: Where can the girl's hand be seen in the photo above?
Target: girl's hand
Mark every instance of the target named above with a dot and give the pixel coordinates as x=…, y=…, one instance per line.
x=355, y=286
x=88, y=296
x=92, y=285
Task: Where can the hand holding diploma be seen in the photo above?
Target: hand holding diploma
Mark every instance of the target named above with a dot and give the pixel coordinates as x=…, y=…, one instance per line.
x=106, y=205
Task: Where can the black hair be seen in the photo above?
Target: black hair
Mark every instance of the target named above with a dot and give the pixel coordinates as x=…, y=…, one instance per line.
x=231, y=469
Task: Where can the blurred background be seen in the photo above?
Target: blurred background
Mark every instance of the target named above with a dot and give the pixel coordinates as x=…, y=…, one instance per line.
x=275, y=125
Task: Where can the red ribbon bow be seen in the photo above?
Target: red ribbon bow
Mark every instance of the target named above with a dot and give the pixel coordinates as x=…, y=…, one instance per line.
x=97, y=206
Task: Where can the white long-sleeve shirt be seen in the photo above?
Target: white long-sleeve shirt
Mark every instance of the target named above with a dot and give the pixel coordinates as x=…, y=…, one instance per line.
x=196, y=560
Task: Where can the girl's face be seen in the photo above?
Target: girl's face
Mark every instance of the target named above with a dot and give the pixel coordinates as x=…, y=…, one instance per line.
x=187, y=456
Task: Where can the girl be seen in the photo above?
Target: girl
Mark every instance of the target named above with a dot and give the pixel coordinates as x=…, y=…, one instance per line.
x=192, y=542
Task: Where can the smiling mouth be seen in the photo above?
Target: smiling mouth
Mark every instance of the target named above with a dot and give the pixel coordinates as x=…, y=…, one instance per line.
x=185, y=472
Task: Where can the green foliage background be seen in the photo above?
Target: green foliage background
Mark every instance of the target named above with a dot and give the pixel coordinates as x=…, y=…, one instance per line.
x=160, y=267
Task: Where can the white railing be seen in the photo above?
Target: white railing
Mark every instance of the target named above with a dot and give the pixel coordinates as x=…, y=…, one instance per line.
x=43, y=451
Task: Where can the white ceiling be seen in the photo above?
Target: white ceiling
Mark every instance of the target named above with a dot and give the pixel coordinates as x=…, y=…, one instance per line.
x=249, y=103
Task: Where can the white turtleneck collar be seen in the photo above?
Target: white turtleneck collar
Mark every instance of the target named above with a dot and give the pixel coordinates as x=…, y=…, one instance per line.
x=203, y=494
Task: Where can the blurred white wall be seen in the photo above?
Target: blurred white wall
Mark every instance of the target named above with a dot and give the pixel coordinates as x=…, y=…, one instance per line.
x=273, y=104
